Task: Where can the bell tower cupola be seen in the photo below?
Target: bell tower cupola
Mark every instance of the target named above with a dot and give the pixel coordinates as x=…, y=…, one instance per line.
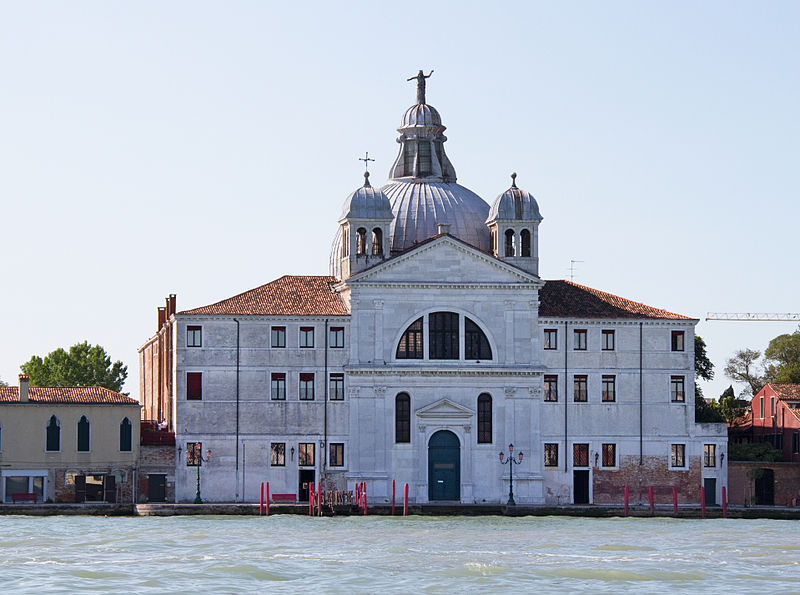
x=514, y=227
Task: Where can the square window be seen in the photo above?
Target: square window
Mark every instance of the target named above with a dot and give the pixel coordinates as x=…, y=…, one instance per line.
x=678, y=340
x=194, y=336
x=607, y=337
x=677, y=389
x=678, y=455
x=609, y=455
x=609, y=388
x=278, y=337
x=551, y=338
x=278, y=386
x=709, y=455
x=581, y=388
x=307, y=386
x=194, y=454
x=336, y=390
x=336, y=454
x=580, y=455
x=305, y=455
x=194, y=386
x=551, y=388
x=579, y=336
x=277, y=454
x=336, y=337
x=551, y=455
x=307, y=337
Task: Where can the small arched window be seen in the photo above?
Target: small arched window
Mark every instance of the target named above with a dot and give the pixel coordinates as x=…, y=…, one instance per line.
x=509, y=242
x=83, y=434
x=525, y=238
x=125, y=435
x=476, y=345
x=377, y=241
x=410, y=345
x=53, y=434
x=361, y=241
x=402, y=418
x=484, y=418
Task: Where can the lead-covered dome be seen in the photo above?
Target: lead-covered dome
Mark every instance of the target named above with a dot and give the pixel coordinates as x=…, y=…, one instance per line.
x=515, y=204
x=421, y=115
x=366, y=203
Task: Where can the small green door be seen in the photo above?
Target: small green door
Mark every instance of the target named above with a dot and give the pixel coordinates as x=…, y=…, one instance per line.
x=444, y=466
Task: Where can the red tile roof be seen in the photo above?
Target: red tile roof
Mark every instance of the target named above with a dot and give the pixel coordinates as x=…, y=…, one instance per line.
x=66, y=394
x=786, y=391
x=289, y=295
x=564, y=299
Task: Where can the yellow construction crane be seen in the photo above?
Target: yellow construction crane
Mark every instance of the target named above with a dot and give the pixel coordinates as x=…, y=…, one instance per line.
x=752, y=316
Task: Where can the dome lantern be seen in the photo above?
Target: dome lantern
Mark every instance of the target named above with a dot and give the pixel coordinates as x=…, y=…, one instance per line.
x=513, y=223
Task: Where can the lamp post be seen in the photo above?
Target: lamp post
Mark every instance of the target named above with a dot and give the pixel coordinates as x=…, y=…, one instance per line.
x=196, y=455
x=511, y=461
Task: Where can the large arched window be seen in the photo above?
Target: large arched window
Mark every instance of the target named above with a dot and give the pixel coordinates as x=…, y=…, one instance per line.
x=377, y=241
x=443, y=331
x=525, y=240
x=484, y=419
x=509, y=242
x=361, y=241
x=402, y=418
x=53, y=434
x=476, y=345
x=410, y=346
x=125, y=435
x=83, y=434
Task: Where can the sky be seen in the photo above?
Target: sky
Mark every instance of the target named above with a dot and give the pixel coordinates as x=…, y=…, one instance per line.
x=205, y=148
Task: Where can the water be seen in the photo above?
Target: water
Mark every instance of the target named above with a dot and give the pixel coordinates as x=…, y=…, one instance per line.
x=290, y=554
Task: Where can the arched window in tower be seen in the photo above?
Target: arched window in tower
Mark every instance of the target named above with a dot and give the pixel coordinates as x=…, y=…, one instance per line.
x=402, y=418
x=410, y=345
x=509, y=242
x=443, y=330
x=345, y=242
x=377, y=241
x=493, y=235
x=361, y=241
x=525, y=240
x=53, y=435
x=485, y=419
x=425, y=167
x=476, y=345
x=125, y=435
x=83, y=434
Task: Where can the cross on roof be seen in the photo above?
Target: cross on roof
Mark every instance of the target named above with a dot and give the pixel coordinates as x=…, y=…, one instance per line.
x=366, y=159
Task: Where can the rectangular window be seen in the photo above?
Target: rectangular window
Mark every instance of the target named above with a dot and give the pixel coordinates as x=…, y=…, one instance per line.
x=277, y=454
x=581, y=388
x=579, y=342
x=194, y=453
x=194, y=386
x=307, y=386
x=678, y=455
x=796, y=443
x=336, y=337
x=772, y=406
x=336, y=390
x=677, y=389
x=550, y=338
x=609, y=455
x=677, y=341
x=336, y=454
x=443, y=332
x=551, y=388
x=402, y=418
x=580, y=455
x=609, y=388
x=607, y=340
x=278, y=386
x=709, y=455
x=305, y=456
x=551, y=455
x=194, y=336
x=278, y=337
x=306, y=337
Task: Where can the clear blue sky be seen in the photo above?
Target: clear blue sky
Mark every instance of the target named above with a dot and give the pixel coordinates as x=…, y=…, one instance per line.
x=202, y=149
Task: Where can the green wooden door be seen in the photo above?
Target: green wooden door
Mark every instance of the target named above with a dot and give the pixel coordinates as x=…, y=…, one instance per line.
x=444, y=467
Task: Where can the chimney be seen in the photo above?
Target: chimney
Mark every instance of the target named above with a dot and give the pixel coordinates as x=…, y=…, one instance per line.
x=170, y=305
x=162, y=317
x=443, y=227
x=23, y=388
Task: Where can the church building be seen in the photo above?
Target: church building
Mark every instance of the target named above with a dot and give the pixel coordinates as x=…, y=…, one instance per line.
x=431, y=347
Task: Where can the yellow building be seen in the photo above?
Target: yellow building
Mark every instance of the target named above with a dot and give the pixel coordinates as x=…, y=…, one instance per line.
x=67, y=444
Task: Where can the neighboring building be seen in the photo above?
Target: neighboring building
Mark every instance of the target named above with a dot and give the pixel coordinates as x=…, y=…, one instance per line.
x=432, y=345
x=775, y=418
x=67, y=444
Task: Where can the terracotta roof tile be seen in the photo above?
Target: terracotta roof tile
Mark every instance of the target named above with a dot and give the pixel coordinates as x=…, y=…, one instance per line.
x=289, y=295
x=786, y=391
x=564, y=299
x=66, y=394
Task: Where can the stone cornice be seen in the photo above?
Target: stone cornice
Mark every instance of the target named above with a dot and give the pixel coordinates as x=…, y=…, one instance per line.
x=471, y=372
x=617, y=321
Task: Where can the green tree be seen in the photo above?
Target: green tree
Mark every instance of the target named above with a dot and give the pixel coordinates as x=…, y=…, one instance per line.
x=756, y=451
x=704, y=411
x=82, y=365
x=703, y=368
x=783, y=358
x=744, y=367
x=731, y=408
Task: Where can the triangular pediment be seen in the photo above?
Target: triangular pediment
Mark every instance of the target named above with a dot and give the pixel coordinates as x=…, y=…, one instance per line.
x=444, y=409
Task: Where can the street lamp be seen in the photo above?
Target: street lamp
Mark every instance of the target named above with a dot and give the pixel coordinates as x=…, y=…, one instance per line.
x=196, y=456
x=511, y=461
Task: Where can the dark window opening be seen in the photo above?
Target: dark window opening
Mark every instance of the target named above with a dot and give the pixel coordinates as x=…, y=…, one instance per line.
x=125, y=435
x=377, y=241
x=476, y=344
x=484, y=419
x=361, y=241
x=53, y=435
x=402, y=418
x=509, y=242
x=336, y=456
x=443, y=331
x=410, y=346
x=194, y=386
x=83, y=434
x=525, y=237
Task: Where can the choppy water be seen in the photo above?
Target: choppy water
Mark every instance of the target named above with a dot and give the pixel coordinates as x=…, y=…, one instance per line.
x=290, y=554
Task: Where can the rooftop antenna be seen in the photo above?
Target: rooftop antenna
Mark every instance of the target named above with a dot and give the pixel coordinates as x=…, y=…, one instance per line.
x=572, y=269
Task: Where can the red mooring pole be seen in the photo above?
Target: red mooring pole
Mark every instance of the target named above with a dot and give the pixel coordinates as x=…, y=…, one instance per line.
x=392, y=497
x=724, y=502
x=320, y=499
x=364, y=484
x=261, y=502
x=405, y=500
x=652, y=500
x=356, y=489
x=310, y=498
x=702, y=502
x=674, y=500
x=627, y=496
x=266, y=499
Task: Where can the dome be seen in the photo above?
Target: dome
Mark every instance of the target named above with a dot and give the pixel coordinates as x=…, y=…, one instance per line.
x=421, y=115
x=515, y=204
x=366, y=203
x=419, y=206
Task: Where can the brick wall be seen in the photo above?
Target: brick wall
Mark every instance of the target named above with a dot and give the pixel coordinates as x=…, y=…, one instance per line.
x=609, y=486
x=156, y=459
x=742, y=487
